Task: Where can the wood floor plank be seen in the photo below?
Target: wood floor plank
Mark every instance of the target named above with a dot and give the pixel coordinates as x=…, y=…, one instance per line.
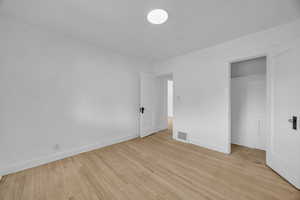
x=155, y=168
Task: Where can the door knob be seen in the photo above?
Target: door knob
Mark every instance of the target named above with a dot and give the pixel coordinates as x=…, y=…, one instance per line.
x=294, y=122
x=142, y=110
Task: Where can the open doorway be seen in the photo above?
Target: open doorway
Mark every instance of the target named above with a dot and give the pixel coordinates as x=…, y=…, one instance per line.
x=170, y=91
x=165, y=104
x=248, y=109
x=156, y=104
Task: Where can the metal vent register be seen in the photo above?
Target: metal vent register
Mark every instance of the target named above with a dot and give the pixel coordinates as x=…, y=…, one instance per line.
x=182, y=135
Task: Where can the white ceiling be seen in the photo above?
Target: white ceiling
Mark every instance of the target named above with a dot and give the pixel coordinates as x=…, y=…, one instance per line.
x=121, y=25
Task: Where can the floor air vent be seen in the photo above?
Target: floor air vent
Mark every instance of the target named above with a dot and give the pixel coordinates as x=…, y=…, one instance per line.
x=182, y=136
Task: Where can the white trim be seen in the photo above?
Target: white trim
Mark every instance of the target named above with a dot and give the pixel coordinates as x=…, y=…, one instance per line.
x=284, y=169
x=61, y=155
x=228, y=107
x=268, y=92
x=180, y=140
x=160, y=129
x=269, y=108
x=198, y=142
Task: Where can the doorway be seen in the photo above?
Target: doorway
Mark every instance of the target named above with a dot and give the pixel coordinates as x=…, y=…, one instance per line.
x=156, y=104
x=248, y=108
x=170, y=85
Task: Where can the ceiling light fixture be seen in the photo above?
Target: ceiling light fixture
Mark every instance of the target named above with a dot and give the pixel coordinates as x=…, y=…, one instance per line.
x=157, y=16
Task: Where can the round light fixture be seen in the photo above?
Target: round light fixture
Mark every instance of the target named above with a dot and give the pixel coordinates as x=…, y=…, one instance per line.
x=157, y=16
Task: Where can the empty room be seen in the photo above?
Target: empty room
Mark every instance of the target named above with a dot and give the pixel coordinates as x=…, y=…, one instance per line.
x=154, y=100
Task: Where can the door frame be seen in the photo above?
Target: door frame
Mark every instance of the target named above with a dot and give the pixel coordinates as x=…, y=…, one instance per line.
x=141, y=76
x=157, y=76
x=275, y=51
x=166, y=87
x=269, y=103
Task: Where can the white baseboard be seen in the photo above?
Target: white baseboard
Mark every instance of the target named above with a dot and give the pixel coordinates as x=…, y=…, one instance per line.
x=159, y=130
x=287, y=170
x=249, y=146
x=61, y=155
x=207, y=146
x=180, y=140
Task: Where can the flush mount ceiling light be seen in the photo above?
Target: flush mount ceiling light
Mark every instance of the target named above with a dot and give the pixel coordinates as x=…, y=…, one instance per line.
x=157, y=16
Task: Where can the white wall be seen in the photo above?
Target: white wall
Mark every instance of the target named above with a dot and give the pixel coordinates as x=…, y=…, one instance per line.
x=249, y=67
x=248, y=110
x=170, y=98
x=58, y=90
x=202, y=86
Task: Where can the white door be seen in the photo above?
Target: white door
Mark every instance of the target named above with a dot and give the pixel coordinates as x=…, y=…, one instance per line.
x=147, y=103
x=283, y=153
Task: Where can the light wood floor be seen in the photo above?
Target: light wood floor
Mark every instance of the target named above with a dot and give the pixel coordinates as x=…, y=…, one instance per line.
x=155, y=167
